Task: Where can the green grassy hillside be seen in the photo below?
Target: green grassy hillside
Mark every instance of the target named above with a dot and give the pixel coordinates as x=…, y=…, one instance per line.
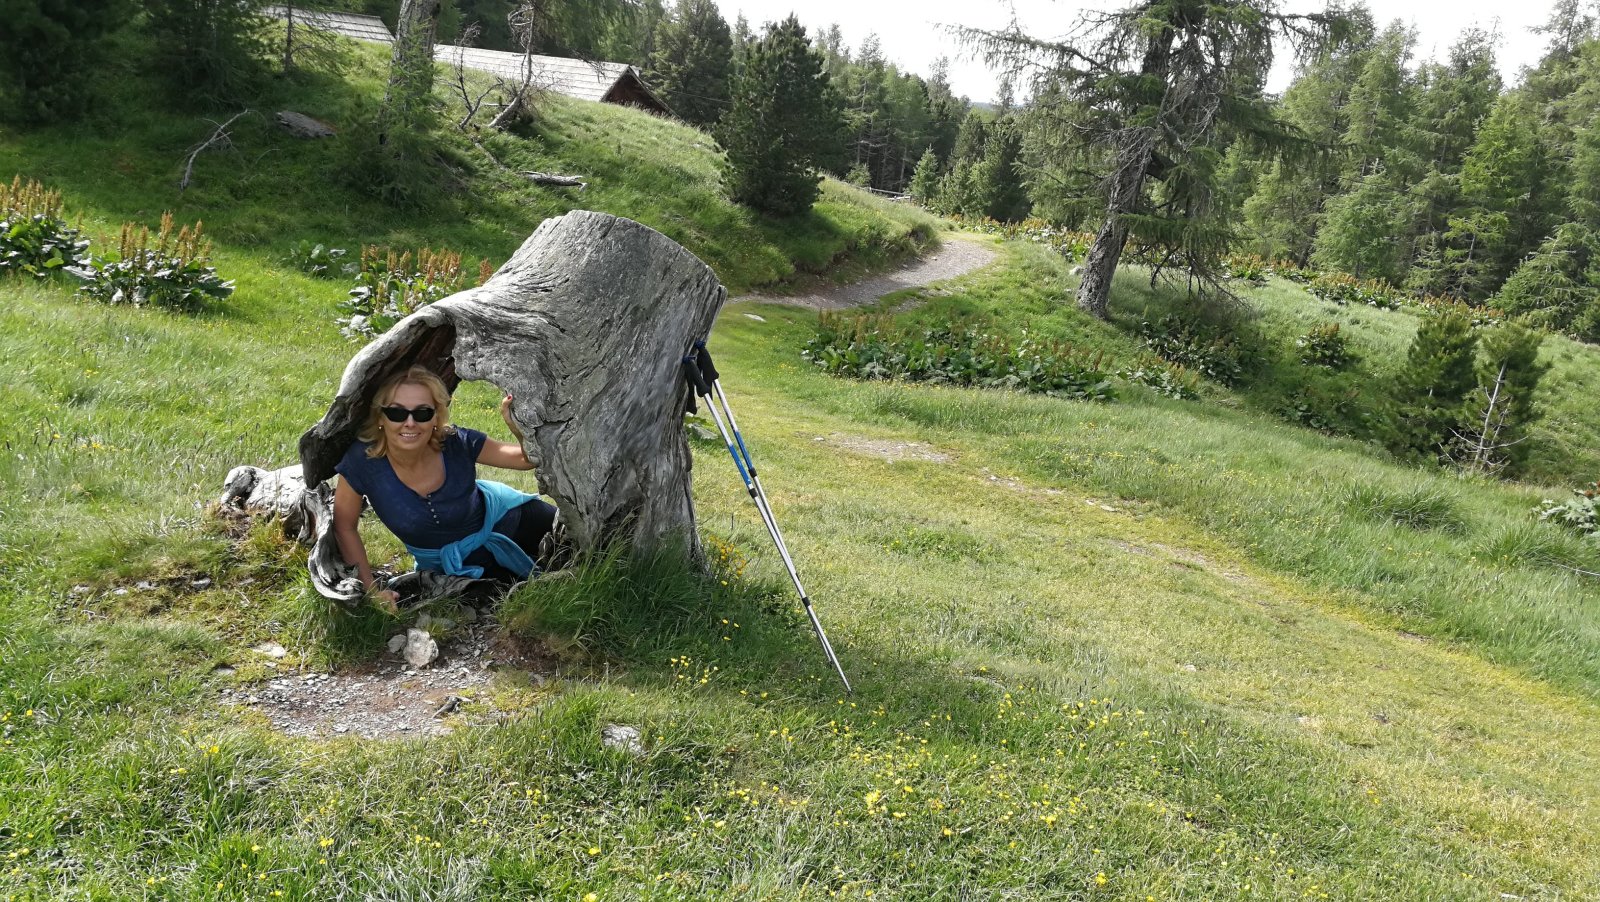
x=269, y=191
x=1152, y=649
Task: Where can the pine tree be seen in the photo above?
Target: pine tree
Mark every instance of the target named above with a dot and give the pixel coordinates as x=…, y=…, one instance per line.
x=208, y=51
x=47, y=50
x=784, y=125
x=693, y=61
x=743, y=40
x=1432, y=388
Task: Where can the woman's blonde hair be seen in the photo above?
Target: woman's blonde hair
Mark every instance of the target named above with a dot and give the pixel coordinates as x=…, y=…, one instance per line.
x=377, y=439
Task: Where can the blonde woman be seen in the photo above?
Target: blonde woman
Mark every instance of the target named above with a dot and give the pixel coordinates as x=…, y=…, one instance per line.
x=419, y=473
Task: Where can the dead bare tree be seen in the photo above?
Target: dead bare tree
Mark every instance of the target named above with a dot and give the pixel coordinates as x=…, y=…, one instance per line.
x=470, y=104
x=526, y=22
x=1481, y=450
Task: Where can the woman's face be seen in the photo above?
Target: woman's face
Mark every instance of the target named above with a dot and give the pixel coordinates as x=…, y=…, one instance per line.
x=411, y=435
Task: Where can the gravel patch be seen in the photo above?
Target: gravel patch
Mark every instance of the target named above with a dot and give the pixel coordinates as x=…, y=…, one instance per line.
x=390, y=698
x=955, y=257
x=887, y=449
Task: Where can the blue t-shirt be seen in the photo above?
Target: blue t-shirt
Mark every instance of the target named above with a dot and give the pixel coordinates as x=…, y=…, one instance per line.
x=451, y=513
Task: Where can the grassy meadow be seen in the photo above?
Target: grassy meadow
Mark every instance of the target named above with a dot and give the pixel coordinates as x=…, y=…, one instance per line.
x=1151, y=649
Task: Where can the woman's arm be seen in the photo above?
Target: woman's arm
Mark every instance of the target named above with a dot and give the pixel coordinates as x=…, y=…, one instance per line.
x=506, y=455
x=347, y=533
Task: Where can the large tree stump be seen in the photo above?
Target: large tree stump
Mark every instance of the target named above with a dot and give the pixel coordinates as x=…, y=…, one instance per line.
x=585, y=327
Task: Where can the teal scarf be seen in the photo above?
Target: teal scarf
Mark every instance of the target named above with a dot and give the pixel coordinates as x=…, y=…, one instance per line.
x=498, y=499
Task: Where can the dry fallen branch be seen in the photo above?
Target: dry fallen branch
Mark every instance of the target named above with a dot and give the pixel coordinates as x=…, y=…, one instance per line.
x=218, y=137
x=550, y=178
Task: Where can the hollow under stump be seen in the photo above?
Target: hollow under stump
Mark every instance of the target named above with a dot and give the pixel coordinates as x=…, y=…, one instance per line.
x=585, y=326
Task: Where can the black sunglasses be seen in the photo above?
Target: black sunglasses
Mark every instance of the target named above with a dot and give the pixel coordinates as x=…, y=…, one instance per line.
x=398, y=414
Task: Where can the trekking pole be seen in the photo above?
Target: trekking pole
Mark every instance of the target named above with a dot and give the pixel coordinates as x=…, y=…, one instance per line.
x=693, y=371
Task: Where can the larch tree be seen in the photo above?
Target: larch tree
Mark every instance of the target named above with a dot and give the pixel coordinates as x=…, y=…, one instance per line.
x=1156, y=92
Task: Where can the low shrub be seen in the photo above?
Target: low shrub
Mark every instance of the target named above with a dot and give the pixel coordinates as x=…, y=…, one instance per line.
x=1288, y=269
x=1334, y=408
x=175, y=272
x=34, y=239
x=1170, y=380
x=1248, y=268
x=1325, y=346
x=873, y=347
x=1211, y=349
x=391, y=286
x=1577, y=513
x=1342, y=289
x=319, y=260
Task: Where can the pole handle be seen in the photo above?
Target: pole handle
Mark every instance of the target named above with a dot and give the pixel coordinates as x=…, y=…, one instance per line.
x=691, y=373
x=708, y=369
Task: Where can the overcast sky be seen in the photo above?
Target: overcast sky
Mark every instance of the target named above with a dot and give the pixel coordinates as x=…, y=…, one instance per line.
x=912, y=34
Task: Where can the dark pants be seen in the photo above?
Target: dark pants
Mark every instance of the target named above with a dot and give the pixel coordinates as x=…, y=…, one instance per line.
x=535, y=519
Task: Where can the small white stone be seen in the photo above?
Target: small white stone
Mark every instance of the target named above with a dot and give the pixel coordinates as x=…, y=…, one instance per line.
x=271, y=650
x=397, y=643
x=759, y=319
x=420, y=648
x=623, y=738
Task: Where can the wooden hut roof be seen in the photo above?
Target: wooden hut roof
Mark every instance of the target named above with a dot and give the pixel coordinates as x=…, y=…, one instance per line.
x=585, y=80
x=351, y=25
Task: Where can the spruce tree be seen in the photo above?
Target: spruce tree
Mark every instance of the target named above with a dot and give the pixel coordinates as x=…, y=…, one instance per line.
x=925, y=181
x=693, y=61
x=1285, y=210
x=1502, y=179
x=208, y=51
x=1360, y=230
x=999, y=177
x=784, y=126
x=1432, y=388
x=946, y=112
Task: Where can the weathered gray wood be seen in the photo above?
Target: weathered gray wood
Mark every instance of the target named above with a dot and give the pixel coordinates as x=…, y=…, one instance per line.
x=307, y=516
x=585, y=326
x=560, y=181
x=302, y=126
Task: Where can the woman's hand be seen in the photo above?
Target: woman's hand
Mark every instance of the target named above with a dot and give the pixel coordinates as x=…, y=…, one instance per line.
x=506, y=455
x=511, y=423
x=387, y=599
